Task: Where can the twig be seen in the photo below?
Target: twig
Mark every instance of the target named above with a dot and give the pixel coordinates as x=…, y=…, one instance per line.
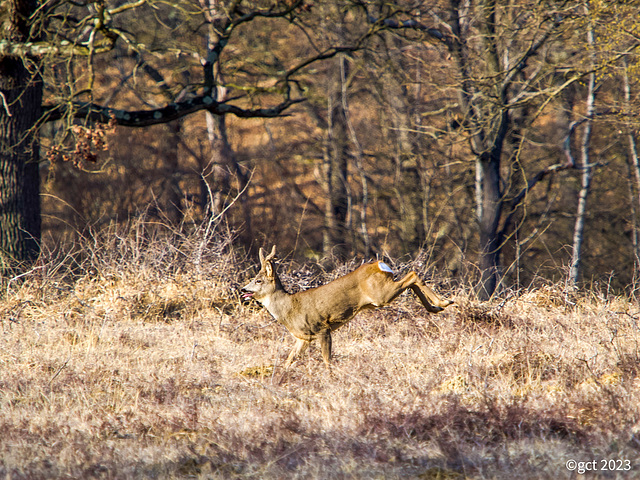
x=5, y=104
x=58, y=372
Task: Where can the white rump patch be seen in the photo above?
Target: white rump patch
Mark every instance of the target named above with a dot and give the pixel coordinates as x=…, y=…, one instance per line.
x=384, y=267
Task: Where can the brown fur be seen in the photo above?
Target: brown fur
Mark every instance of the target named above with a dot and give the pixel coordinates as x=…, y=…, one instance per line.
x=315, y=313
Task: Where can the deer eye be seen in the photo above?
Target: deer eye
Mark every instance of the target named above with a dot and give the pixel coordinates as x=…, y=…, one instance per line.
x=258, y=280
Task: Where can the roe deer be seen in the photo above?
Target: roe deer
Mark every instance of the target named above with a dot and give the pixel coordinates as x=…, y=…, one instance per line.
x=316, y=312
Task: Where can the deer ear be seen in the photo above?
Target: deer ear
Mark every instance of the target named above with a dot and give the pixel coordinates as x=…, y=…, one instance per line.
x=268, y=268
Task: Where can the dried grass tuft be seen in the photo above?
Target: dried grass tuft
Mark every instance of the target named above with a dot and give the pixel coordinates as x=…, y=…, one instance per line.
x=135, y=358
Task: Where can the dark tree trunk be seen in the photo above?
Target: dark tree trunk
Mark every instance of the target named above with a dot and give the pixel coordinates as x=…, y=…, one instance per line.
x=490, y=240
x=171, y=194
x=225, y=163
x=20, y=109
x=335, y=172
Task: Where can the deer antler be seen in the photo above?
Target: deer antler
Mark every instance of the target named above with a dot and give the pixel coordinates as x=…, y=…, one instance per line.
x=269, y=257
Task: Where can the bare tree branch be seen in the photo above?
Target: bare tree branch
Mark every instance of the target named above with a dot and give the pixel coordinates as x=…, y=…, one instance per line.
x=173, y=111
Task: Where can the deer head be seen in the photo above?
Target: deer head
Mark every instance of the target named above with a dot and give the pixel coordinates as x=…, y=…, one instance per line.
x=266, y=282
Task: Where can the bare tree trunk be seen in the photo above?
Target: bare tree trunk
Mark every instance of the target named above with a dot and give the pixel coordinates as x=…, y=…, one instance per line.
x=487, y=133
x=215, y=169
x=20, y=110
x=170, y=196
x=491, y=211
x=408, y=179
x=634, y=165
x=224, y=161
x=225, y=164
x=587, y=174
x=364, y=232
x=172, y=193
x=336, y=171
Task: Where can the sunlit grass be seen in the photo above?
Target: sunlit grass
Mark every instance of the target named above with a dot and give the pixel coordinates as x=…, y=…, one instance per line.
x=138, y=360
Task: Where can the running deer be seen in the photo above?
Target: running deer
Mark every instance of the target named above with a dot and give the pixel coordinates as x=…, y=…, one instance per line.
x=315, y=313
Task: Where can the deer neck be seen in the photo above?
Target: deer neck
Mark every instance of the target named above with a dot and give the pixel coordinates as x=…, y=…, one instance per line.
x=278, y=303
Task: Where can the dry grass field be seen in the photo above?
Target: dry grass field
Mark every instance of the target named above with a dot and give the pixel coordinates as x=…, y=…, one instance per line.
x=133, y=357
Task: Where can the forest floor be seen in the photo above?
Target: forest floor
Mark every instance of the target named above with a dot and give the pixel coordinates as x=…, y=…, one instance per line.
x=135, y=358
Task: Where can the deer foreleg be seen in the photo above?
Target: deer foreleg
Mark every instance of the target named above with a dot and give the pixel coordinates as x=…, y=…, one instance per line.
x=298, y=349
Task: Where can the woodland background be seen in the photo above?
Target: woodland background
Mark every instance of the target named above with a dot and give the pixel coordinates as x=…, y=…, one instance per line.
x=487, y=144
x=493, y=135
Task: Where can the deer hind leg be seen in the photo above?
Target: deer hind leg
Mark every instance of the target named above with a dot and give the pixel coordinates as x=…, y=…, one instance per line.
x=300, y=346
x=430, y=299
x=325, y=345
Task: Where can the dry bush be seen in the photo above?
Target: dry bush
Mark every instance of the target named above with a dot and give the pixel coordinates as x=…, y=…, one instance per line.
x=134, y=358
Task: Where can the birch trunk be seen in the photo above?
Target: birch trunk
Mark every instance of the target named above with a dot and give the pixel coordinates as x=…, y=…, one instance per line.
x=634, y=165
x=587, y=173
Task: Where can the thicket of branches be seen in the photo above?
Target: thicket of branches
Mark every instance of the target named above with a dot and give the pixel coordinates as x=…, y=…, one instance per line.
x=498, y=136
